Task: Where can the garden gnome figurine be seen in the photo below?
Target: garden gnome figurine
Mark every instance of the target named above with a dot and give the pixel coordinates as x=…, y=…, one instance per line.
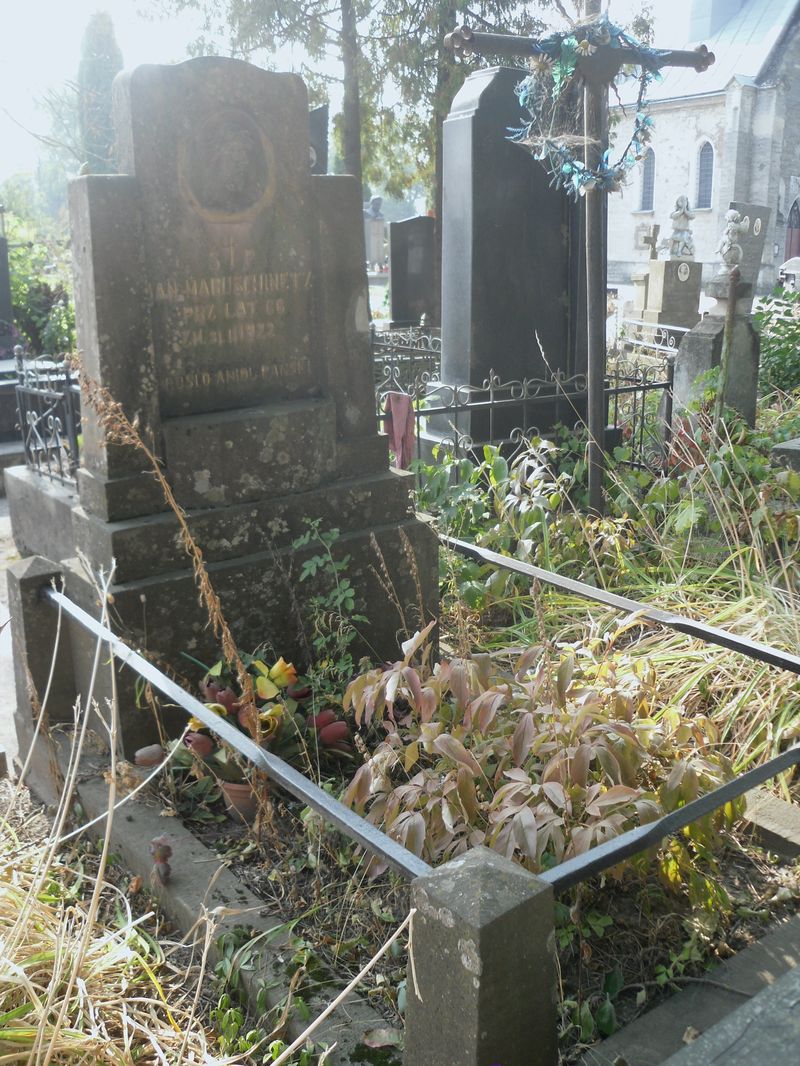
x=680, y=243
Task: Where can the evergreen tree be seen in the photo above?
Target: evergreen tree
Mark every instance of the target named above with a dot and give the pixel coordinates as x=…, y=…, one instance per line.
x=101, y=61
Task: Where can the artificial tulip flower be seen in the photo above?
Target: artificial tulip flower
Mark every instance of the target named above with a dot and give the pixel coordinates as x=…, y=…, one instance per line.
x=283, y=673
x=199, y=744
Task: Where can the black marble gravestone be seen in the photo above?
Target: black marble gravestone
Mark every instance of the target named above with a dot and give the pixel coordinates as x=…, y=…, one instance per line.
x=513, y=275
x=411, y=269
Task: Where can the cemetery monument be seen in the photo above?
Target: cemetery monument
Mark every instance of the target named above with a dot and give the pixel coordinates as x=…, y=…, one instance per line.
x=221, y=297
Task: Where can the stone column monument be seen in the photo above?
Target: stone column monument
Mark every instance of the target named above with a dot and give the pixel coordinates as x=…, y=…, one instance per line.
x=221, y=297
x=742, y=246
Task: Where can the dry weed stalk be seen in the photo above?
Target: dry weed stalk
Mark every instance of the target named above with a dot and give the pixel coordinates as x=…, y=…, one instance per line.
x=119, y=429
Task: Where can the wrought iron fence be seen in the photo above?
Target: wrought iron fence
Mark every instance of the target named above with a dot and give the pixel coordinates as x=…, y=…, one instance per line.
x=401, y=356
x=49, y=412
x=461, y=418
x=636, y=334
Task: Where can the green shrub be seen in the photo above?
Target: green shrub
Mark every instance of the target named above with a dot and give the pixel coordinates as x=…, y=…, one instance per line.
x=778, y=320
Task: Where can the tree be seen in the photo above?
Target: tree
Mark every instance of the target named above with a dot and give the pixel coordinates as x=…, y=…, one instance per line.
x=101, y=61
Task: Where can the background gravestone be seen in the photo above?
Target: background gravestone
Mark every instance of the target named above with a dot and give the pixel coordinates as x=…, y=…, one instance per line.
x=513, y=274
x=700, y=349
x=318, y=136
x=221, y=297
x=411, y=269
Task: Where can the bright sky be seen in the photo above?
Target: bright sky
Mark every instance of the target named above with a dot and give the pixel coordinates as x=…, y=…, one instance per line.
x=41, y=49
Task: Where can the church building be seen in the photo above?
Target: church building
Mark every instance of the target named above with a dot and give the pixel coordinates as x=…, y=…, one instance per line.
x=730, y=133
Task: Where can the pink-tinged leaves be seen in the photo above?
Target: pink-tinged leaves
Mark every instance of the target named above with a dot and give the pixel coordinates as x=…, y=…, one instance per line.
x=428, y=704
x=525, y=832
x=409, y=830
x=617, y=794
x=485, y=707
x=382, y=1038
x=411, y=678
x=411, y=646
x=357, y=792
x=522, y=740
x=459, y=683
x=555, y=793
x=579, y=764
x=455, y=750
x=467, y=794
x=525, y=662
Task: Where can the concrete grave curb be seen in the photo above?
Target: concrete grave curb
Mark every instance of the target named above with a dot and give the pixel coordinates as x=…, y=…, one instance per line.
x=201, y=882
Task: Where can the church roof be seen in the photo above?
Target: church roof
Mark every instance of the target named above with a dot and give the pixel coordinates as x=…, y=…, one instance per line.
x=743, y=47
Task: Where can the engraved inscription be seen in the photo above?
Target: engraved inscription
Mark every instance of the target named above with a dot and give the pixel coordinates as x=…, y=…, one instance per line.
x=228, y=308
x=288, y=370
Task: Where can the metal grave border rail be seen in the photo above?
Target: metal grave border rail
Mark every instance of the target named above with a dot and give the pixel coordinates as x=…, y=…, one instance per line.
x=353, y=825
x=604, y=856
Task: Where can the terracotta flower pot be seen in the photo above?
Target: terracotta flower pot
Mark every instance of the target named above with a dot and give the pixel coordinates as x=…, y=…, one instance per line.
x=240, y=800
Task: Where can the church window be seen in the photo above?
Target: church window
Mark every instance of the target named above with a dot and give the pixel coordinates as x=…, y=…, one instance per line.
x=648, y=180
x=705, y=175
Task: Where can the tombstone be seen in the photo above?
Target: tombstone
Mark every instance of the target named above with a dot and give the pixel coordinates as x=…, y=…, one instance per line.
x=411, y=269
x=221, y=297
x=375, y=234
x=513, y=275
x=318, y=136
x=673, y=285
x=742, y=245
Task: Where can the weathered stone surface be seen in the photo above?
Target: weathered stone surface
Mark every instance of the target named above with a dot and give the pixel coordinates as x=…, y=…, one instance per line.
x=655, y=1036
x=113, y=328
x=248, y=325
x=145, y=547
x=765, y=1030
x=776, y=823
x=788, y=453
x=673, y=292
x=35, y=642
x=342, y=318
x=411, y=269
x=219, y=149
x=255, y=452
x=484, y=961
x=700, y=351
x=41, y=521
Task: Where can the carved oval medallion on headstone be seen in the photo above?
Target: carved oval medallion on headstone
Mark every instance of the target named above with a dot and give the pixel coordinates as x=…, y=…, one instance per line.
x=683, y=272
x=226, y=167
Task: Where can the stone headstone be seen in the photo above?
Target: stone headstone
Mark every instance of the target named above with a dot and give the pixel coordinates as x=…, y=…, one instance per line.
x=513, y=276
x=673, y=293
x=221, y=296
x=318, y=136
x=701, y=349
x=411, y=269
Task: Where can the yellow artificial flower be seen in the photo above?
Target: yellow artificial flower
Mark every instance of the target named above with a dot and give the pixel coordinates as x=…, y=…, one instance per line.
x=266, y=689
x=270, y=718
x=283, y=673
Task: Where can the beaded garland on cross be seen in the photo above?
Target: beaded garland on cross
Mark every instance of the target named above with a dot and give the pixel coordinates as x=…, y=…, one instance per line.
x=554, y=66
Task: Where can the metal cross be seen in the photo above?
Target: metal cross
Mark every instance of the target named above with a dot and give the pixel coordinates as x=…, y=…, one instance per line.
x=597, y=70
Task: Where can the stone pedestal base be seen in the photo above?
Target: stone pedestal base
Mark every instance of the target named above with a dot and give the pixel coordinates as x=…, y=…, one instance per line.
x=700, y=351
x=251, y=565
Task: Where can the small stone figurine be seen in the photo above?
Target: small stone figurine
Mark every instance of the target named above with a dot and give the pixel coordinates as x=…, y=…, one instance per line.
x=680, y=243
x=729, y=249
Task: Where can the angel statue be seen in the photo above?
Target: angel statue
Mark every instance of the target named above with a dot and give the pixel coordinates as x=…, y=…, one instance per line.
x=729, y=249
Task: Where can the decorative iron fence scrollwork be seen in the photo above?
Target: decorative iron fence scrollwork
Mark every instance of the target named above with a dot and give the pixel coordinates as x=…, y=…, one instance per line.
x=638, y=401
x=49, y=413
